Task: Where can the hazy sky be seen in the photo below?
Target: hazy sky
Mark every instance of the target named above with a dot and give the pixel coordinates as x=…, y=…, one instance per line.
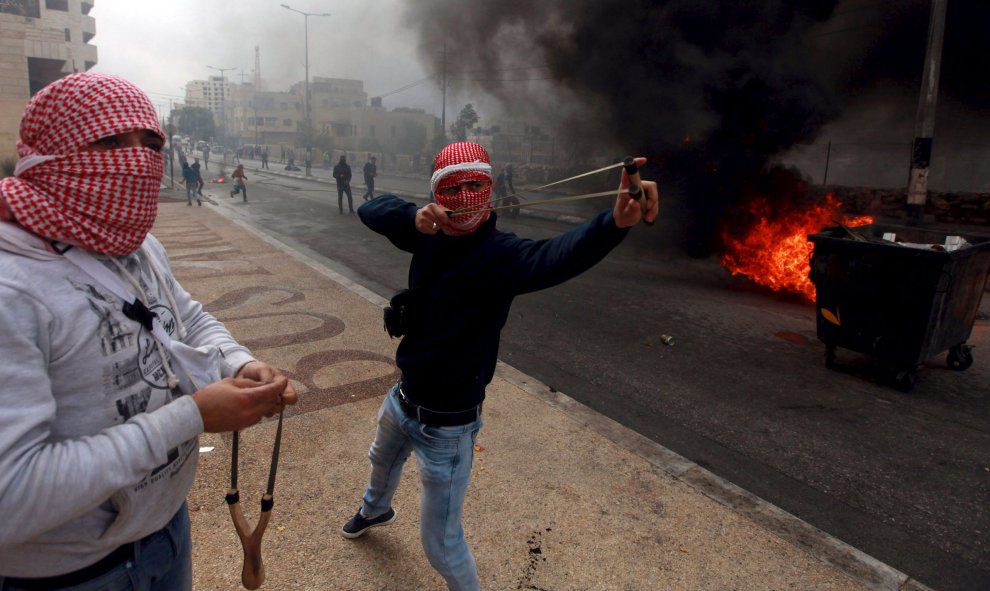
x=162, y=45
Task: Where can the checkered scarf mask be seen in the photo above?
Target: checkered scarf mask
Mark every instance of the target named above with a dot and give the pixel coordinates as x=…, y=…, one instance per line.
x=105, y=201
x=457, y=163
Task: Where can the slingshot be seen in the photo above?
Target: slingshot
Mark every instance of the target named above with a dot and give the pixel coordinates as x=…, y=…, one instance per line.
x=634, y=190
x=253, y=573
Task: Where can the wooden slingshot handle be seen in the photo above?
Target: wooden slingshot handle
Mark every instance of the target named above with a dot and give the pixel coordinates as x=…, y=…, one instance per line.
x=253, y=573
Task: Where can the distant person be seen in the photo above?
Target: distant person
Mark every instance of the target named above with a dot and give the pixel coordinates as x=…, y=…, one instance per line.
x=342, y=174
x=282, y=158
x=206, y=157
x=463, y=277
x=189, y=178
x=505, y=192
x=111, y=370
x=199, y=176
x=370, y=172
x=264, y=157
x=499, y=187
x=240, y=186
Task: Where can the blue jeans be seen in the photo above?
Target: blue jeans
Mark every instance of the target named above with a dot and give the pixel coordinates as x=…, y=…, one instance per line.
x=162, y=562
x=445, y=455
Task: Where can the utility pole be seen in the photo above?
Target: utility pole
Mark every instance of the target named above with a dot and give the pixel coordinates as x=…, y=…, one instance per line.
x=309, y=123
x=171, y=145
x=921, y=152
x=223, y=101
x=443, y=88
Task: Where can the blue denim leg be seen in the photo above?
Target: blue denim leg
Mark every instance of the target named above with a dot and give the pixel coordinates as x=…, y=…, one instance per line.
x=445, y=456
x=388, y=455
x=162, y=562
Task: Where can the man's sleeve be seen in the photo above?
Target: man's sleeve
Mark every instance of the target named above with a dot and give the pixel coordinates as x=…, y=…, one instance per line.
x=395, y=219
x=538, y=264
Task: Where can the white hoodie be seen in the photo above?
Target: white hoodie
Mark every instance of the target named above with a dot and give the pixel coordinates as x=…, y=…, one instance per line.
x=88, y=460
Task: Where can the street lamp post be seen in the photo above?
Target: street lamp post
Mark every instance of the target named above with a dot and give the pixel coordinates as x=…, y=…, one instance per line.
x=223, y=101
x=309, y=123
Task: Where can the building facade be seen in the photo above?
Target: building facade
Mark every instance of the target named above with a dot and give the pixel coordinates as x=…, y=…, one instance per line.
x=342, y=118
x=213, y=94
x=40, y=42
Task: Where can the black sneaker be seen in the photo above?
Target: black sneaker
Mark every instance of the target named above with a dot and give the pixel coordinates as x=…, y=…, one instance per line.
x=359, y=524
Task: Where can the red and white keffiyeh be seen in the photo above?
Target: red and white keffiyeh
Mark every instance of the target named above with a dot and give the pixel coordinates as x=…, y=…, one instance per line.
x=105, y=201
x=455, y=164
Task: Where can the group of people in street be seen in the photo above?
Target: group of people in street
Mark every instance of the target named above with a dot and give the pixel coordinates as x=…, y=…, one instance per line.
x=110, y=370
x=342, y=175
x=192, y=177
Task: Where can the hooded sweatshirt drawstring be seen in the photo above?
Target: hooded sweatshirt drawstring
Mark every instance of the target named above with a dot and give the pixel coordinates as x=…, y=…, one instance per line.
x=173, y=380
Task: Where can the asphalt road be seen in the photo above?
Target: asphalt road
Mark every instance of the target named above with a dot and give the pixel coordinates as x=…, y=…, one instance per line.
x=743, y=392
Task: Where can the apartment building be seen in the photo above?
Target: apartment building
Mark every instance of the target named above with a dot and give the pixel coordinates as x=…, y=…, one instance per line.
x=343, y=119
x=214, y=94
x=40, y=42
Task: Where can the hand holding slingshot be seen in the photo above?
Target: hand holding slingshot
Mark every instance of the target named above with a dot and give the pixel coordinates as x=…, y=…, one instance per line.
x=634, y=189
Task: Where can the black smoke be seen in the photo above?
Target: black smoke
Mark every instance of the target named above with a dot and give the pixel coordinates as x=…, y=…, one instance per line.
x=713, y=92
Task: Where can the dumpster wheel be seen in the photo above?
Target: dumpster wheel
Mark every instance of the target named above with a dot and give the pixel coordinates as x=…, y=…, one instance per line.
x=904, y=380
x=960, y=357
x=830, y=356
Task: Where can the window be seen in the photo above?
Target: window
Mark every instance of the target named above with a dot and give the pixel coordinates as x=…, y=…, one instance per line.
x=68, y=35
x=62, y=5
x=29, y=8
x=371, y=131
x=287, y=122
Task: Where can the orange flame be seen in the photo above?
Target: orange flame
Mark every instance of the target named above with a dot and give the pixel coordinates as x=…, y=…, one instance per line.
x=777, y=253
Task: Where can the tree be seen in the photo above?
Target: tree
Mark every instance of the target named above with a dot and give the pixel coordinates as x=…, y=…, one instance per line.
x=196, y=122
x=465, y=121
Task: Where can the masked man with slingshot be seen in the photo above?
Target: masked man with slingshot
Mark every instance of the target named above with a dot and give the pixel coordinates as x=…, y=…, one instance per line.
x=109, y=370
x=463, y=277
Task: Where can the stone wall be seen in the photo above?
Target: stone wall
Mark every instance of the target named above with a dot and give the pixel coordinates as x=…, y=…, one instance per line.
x=951, y=208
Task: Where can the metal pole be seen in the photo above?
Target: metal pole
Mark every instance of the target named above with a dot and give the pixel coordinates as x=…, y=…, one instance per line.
x=443, y=87
x=828, y=154
x=921, y=153
x=309, y=123
x=171, y=146
x=306, y=115
x=223, y=102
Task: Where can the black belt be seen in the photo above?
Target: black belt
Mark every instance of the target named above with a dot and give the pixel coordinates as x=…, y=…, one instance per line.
x=103, y=566
x=436, y=418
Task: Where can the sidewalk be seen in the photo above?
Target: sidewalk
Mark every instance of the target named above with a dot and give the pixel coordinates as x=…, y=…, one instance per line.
x=561, y=497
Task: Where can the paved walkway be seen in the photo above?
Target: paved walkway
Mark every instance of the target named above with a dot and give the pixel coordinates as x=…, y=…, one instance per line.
x=561, y=497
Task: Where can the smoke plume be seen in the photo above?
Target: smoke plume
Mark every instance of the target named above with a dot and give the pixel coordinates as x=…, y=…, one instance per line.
x=713, y=92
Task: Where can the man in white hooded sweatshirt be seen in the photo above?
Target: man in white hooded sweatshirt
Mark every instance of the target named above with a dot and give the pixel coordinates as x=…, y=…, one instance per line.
x=109, y=370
